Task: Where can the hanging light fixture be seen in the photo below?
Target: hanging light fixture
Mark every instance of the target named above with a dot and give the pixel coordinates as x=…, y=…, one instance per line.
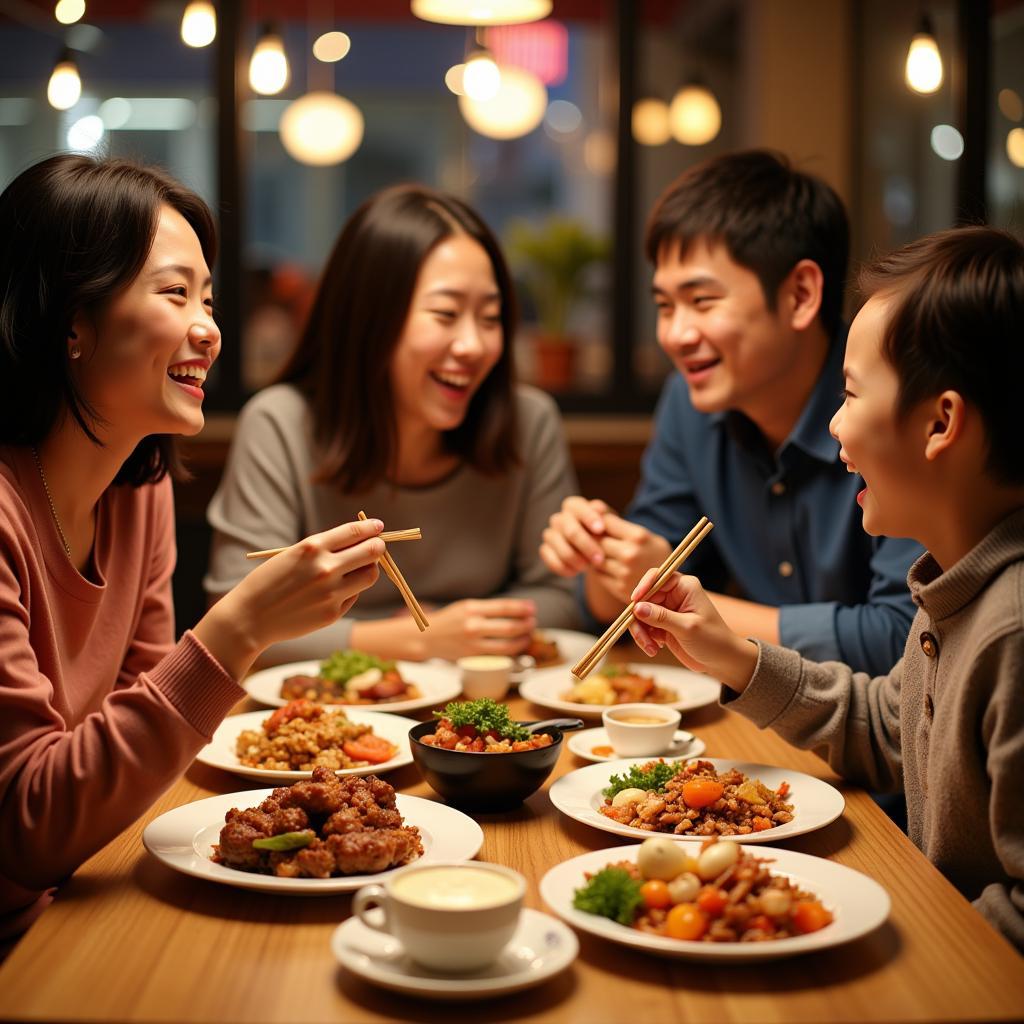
x=924, y=62
x=321, y=128
x=67, y=12
x=331, y=47
x=481, y=77
x=650, y=122
x=694, y=116
x=199, y=24
x=517, y=108
x=1015, y=146
x=481, y=12
x=453, y=79
x=268, y=68
x=65, y=85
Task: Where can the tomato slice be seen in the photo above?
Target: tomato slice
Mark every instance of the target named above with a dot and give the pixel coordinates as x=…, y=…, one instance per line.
x=369, y=748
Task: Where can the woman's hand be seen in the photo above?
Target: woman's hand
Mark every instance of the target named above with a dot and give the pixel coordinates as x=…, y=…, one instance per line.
x=492, y=626
x=680, y=616
x=305, y=587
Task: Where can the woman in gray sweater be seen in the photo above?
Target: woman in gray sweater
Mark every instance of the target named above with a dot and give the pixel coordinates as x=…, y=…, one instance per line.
x=931, y=422
x=400, y=400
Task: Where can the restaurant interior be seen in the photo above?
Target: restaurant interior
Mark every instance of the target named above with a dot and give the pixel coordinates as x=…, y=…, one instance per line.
x=561, y=126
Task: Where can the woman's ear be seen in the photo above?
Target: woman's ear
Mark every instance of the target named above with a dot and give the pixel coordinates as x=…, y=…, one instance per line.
x=803, y=290
x=945, y=424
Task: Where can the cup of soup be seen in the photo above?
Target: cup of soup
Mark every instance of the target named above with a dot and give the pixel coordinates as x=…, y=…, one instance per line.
x=640, y=730
x=485, y=675
x=455, y=916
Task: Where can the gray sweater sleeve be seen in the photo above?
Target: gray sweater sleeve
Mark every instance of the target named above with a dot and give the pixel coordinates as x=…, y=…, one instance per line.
x=849, y=718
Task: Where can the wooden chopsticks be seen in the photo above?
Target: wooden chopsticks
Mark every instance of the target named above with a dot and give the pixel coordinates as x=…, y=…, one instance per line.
x=395, y=575
x=686, y=547
x=388, y=536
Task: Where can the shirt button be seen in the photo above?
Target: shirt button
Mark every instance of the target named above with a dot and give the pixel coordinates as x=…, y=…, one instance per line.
x=785, y=569
x=929, y=705
x=778, y=488
x=929, y=645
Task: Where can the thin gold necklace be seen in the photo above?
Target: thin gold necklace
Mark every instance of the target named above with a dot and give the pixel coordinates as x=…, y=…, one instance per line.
x=53, y=508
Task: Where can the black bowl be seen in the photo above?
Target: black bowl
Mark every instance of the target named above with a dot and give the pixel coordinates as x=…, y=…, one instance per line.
x=484, y=782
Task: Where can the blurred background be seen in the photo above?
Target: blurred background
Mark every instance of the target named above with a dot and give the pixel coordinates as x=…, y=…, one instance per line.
x=560, y=130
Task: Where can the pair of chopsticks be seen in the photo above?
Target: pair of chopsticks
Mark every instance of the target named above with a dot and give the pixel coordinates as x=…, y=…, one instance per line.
x=390, y=568
x=686, y=547
x=395, y=575
x=388, y=536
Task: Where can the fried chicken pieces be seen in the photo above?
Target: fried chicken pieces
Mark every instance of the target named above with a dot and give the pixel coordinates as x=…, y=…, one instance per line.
x=356, y=826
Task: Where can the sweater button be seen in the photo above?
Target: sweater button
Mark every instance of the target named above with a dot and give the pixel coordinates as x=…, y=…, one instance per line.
x=929, y=645
x=785, y=569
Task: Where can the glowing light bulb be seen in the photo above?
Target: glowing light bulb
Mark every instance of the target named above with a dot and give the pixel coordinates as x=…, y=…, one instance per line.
x=694, y=117
x=924, y=62
x=1015, y=146
x=650, y=122
x=453, y=79
x=65, y=86
x=481, y=12
x=321, y=128
x=481, y=77
x=517, y=108
x=67, y=12
x=199, y=24
x=268, y=69
x=331, y=47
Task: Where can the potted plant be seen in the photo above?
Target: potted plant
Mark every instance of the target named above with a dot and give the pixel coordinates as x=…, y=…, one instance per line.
x=550, y=260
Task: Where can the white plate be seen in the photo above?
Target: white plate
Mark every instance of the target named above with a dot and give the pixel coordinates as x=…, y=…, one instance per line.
x=815, y=803
x=546, y=686
x=183, y=839
x=684, y=744
x=859, y=905
x=541, y=947
x=437, y=683
x=571, y=645
x=220, y=751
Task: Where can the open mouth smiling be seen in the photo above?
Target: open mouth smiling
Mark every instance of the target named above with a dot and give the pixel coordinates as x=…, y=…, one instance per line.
x=459, y=382
x=189, y=376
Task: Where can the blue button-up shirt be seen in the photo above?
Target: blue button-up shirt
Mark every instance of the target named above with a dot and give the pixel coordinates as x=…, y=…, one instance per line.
x=788, y=528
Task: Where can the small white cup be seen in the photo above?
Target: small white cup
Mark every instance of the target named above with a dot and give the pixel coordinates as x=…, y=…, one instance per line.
x=485, y=675
x=449, y=916
x=640, y=730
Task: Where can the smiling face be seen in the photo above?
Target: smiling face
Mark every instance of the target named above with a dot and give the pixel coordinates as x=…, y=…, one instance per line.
x=451, y=339
x=887, y=453
x=715, y=326
x=145, y=355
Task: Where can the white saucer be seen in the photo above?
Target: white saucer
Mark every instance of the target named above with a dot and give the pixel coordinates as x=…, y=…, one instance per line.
x=541, y=947
x=684, y=744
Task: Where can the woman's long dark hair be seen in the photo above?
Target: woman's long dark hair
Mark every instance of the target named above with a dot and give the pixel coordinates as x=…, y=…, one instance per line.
x=343, y=357
x=76, y=231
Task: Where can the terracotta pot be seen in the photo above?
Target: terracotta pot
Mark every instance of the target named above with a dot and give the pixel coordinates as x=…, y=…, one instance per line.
x=554, y=361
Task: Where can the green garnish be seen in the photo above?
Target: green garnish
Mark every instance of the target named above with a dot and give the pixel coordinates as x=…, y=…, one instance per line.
x=343, y=665
x=645, y=777
x=613, y=671
x=613, y=893
x=284, y=841
x=486, y=715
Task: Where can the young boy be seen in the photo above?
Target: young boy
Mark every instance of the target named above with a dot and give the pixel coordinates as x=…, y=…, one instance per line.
x=930, y=421
x=750, y=259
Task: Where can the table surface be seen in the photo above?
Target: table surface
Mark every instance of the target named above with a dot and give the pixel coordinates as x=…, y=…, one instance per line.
x=128, y=939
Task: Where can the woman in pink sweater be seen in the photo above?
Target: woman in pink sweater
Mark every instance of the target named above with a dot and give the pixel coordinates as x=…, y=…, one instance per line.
x=106, y=336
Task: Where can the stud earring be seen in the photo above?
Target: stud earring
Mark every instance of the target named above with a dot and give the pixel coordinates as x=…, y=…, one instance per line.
x=75, y=351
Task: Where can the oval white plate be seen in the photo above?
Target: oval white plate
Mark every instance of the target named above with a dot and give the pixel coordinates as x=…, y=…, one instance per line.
x=437, y=683
x=684, y=744
x=577, y=794
x=859, y=905
x=546, y=685
x=183, y=839
x=541, y=947
x=220, y=751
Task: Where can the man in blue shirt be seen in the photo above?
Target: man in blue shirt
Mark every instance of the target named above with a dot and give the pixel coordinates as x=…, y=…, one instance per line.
x=750, y=260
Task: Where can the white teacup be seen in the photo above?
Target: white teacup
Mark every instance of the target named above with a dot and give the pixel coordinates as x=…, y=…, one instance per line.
x=485, y=675
x=449, y=916
x=640, y=730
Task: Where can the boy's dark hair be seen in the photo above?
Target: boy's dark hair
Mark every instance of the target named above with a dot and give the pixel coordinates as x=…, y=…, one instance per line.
x=76, y=231
x=769, y=217
x=343, y=358
x=957, y=321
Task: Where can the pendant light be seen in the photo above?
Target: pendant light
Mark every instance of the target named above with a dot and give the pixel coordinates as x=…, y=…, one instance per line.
x=694, y=116
x=199, y=24
x=268, y=68
x=481, y=12
x=65, y=85
x=924, y=62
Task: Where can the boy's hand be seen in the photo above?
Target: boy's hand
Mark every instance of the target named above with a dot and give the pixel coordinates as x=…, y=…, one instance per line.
x=629, y=551
x=681, y=617
x=571, y=544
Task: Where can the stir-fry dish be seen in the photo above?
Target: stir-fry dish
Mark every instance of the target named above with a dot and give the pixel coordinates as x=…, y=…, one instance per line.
x=482, y=727
x=302, y=735
x=615, y=684
x=351, y=677
x=320, y=827
x=695, y=799
x=544, y=650
x=726, y=894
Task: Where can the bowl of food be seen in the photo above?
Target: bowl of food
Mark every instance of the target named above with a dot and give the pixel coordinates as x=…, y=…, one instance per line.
x=475, y=756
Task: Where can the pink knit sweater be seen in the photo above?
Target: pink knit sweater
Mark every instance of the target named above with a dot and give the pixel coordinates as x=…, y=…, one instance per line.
x=100, y=710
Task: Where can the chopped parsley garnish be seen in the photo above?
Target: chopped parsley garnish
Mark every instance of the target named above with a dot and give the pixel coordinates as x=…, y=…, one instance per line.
x=652, y=775
x=343, y=665
x=486, y=715
x=613, y=893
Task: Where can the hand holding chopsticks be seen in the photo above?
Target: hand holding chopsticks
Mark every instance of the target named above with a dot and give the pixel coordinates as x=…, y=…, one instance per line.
x=395, y=575
x=686, y=547
x=388, y=536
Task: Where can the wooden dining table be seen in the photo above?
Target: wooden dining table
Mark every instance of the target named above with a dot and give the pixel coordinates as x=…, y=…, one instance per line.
x=129, y=939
